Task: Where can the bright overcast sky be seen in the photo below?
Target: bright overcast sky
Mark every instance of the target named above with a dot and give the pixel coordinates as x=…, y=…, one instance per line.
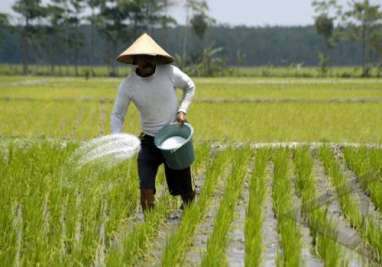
x=245, y=12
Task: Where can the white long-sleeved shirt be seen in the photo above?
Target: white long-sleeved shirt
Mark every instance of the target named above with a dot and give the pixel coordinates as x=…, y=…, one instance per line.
x=154, y=96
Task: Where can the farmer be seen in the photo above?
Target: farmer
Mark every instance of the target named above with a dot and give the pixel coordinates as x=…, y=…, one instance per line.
x=151, y=87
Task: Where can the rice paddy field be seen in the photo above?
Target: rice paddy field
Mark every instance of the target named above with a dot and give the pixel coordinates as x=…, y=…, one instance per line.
x=288, y=173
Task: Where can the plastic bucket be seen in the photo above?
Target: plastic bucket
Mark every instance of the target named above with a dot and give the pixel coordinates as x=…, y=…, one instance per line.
x=175, y=143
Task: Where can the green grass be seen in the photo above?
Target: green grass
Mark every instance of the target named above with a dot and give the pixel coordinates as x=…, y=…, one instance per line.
x=218, y=238
x=52, y=217
x=303, y=71
x=136, y=243
x=60, y=70
x=178, y=244
x=207, y=88
x=263, y=122
x=322, y=229
x=290, y=237
x=258, y=71
x=369, y=229
x=366, y=163
x=349, y=206
x=260, y=122
x=51, y=209
x=254, y=215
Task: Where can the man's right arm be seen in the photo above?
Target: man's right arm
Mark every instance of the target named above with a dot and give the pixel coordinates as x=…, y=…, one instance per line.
x=120, y=107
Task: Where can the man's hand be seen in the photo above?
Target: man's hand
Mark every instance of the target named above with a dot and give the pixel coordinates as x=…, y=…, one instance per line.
x=181, y=117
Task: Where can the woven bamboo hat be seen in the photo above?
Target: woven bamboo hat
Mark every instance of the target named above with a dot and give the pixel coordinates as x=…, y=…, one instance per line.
x=145, y=45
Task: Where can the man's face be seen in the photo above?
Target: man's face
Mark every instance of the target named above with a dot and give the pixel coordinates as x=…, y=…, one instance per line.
x=144, y=62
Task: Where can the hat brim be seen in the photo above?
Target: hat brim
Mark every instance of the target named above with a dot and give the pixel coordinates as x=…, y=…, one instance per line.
x=157, y=59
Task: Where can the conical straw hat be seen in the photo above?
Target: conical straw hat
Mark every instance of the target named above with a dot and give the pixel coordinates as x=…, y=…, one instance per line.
x=145, y=45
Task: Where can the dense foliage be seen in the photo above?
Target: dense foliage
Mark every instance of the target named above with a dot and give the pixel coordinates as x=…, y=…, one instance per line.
x=241, y=46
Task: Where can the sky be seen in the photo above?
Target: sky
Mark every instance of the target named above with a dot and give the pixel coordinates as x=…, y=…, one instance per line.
x=245, y=12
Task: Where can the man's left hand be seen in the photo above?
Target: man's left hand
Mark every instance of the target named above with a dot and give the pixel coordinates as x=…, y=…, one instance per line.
x=181, y=117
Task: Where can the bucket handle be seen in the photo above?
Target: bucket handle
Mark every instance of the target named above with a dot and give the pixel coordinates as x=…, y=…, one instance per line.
x=175, y=123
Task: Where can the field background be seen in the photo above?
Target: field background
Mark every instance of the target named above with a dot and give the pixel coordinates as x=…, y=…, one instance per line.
x=224, y=109
x=293, y=71
x=256, y=206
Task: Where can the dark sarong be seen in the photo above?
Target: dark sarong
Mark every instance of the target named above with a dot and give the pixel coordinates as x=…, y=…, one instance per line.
x=149, y=158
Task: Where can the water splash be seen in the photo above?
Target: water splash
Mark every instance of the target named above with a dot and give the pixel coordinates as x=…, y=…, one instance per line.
x=106, y=151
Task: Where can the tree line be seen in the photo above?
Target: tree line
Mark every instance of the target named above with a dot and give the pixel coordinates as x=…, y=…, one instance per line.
x=56, y=26
x=360, y=22
x=93, y=32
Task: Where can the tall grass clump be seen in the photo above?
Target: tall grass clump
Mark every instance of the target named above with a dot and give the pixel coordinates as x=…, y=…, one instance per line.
x=218, y=239
x=254, y=216
x=178, y=243
x=290, y=237
x=322, y=229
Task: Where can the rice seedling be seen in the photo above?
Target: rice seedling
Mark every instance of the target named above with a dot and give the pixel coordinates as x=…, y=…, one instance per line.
x=290, y=237
x=81, y=109
x=217, y=241
x=349, y=206
x=52, y=215
x=137, y=241
x=254, y=214
x=133, y=246
x=57, y=215
x=359, y=160
x=180, y=241
x=370, y=230
x=321, y=227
